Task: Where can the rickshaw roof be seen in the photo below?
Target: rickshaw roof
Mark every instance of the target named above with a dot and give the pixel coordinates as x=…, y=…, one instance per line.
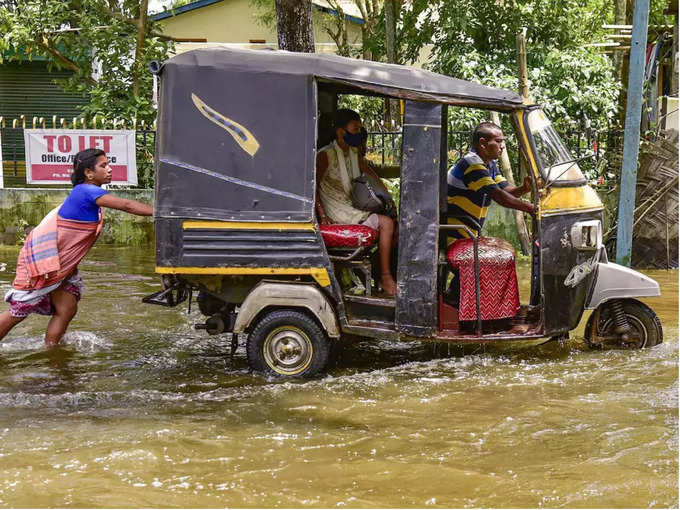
x=347, y=74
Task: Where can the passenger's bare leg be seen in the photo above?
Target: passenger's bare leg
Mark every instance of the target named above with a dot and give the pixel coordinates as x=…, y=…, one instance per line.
x=7, y=322
x=385, y=232
x=65, y=308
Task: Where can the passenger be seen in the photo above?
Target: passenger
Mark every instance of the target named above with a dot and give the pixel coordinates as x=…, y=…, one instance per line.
x=475, y=180
x=337, y=164
x=47, y=280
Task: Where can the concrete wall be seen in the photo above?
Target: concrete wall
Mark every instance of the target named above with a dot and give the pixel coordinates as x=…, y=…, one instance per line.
x=22, y=209
x=235, y=21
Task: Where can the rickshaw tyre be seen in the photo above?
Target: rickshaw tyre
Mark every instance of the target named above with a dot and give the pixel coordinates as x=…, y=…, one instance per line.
x=639, y=315
x=304, y=333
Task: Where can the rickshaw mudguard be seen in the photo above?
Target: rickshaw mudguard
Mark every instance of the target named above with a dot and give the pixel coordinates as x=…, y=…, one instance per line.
x=613, y=281
x=287, y=295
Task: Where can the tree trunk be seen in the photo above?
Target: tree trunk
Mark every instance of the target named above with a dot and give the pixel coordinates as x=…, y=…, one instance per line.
x=391, y=6
x=294, y=25
x=390, y=30
x=142, y=28
x=522, y=232
x=620, y=57
x=619, y=19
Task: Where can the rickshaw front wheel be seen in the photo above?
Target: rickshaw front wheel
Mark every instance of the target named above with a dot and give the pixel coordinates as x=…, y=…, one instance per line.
x=287, y=343
x=645, y=327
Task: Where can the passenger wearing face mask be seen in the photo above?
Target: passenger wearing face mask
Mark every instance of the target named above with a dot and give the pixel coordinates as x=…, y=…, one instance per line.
x=337, y=164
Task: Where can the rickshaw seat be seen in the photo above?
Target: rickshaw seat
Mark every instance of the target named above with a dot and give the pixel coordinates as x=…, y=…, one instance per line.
x=347, y=236
x=350, y=245
x=499, y=291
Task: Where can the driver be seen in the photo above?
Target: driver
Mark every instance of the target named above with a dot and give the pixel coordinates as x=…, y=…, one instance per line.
x=475, y=179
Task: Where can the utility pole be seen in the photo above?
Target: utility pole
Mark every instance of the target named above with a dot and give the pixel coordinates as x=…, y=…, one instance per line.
x=631, y=135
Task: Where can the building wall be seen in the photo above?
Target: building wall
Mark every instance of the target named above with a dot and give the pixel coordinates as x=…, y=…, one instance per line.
x=234, y=21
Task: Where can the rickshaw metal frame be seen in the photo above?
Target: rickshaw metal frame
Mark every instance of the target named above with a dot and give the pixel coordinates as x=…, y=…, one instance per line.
x=210, y=237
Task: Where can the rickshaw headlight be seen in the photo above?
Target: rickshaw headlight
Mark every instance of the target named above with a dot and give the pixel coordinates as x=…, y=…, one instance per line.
x=586, y=235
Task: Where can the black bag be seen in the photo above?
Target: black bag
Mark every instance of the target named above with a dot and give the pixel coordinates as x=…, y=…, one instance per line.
x=367, y=195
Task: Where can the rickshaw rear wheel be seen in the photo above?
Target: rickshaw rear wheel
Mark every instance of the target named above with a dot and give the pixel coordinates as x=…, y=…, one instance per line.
x=287, y=343
x=645, y=326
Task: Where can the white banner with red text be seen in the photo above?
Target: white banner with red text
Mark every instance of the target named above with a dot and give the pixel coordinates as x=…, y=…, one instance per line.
x=50, y=153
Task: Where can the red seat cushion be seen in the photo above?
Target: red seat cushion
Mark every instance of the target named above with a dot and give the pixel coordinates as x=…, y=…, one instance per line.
x=497, y=278
x=347, y=236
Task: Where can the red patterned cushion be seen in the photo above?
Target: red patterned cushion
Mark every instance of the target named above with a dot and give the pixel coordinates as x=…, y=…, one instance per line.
x=497, y=278
x=347, y=236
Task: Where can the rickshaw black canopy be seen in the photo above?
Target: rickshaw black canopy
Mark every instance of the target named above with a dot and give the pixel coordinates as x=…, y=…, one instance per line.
x=237, y=128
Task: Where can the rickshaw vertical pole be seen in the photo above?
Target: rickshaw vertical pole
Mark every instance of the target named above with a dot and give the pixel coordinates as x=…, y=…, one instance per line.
x=478, y=305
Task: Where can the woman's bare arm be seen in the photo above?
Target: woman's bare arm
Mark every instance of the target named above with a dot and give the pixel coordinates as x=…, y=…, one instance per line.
x=124, y=204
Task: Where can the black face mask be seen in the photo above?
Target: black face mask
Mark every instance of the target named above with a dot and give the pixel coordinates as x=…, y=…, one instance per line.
x=353, y=140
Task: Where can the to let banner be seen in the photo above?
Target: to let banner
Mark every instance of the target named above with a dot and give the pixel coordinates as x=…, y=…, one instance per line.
x=50, y=153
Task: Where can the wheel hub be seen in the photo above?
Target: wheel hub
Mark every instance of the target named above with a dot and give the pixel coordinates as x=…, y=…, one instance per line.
x=635, y=337
x=288, y=351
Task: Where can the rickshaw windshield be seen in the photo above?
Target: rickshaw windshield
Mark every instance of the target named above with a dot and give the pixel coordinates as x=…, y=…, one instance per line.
x=556, y=160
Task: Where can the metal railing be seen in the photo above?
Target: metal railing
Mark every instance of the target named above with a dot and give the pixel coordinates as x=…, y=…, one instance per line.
x=384, y=147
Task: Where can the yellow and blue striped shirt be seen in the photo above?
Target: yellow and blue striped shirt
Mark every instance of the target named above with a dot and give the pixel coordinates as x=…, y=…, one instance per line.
x=470, y=183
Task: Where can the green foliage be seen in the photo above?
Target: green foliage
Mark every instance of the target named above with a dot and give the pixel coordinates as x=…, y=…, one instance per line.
x=98, y=42
x=577, y=87
x=265, y=12
x=370, y=108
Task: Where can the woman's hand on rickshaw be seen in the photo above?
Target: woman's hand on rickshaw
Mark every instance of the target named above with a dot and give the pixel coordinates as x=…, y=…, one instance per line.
x=324, y=220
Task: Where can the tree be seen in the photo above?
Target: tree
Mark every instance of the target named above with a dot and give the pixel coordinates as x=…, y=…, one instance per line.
x=107, y=44
x=294, y=25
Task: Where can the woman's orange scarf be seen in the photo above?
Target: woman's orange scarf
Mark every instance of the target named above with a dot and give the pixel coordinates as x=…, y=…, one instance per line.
x=53, y=250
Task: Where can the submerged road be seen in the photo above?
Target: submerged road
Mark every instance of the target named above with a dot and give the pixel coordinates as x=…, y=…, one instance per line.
x=136, y=409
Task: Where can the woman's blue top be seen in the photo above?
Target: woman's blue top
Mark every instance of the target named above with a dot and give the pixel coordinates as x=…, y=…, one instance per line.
x=80, y=204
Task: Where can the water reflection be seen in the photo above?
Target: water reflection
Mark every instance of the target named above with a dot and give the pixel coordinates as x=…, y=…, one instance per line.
x=138, y=409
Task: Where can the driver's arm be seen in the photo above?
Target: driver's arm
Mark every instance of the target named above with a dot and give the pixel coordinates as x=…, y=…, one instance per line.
x=508, y=200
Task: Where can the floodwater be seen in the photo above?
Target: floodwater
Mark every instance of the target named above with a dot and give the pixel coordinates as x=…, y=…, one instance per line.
x=137, y=409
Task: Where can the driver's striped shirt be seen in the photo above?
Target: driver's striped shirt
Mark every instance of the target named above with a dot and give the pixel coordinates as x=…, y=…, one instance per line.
x=470, y=183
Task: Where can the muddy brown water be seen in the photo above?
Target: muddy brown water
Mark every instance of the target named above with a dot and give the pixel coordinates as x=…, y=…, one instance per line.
x=136, y=409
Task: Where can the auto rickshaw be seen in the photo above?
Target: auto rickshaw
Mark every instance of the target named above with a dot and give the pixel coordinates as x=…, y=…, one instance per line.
x=235, y=218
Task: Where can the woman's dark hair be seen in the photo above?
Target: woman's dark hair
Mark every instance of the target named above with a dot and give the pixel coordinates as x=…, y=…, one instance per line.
x=84, y=160
x=344, y=116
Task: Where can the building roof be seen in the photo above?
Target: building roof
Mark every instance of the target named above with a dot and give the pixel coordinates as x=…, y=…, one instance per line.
x=347, y=73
